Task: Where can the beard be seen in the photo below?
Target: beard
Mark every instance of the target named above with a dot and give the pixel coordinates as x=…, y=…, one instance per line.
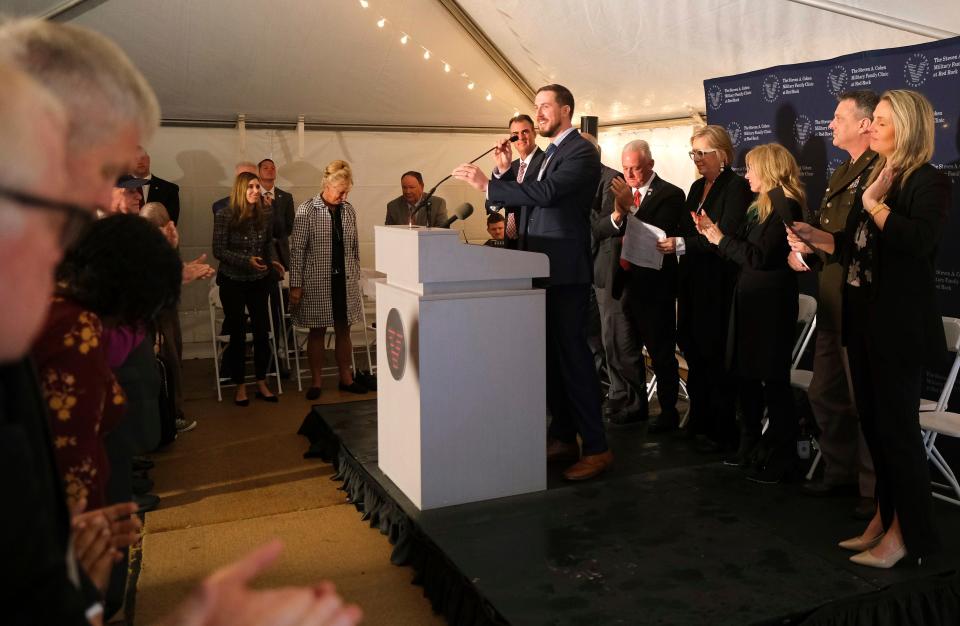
x=549, y=130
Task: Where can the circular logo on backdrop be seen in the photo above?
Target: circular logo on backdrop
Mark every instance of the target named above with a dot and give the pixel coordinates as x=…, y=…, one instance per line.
x=802, y=129
x=715, y=97
x=736, y=133
x=836, y=80
x=833, y=164
x=396, y=344
x=770, y=88
x=916, y=69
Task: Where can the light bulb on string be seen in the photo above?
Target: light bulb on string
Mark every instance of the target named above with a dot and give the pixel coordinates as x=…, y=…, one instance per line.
x=364, y=4
x=405, y=39
x=471, y=85
x=446, y=67
x=426, y=54
x=489, y=96
x=381, y=22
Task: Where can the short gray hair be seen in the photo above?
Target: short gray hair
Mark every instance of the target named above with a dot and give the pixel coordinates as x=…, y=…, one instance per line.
x=24, y=100
x=94, y=79
x=638, y=145
x=155, y=213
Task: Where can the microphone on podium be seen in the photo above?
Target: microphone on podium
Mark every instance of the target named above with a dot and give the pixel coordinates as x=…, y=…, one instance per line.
x=462, y=212
x=426, y=197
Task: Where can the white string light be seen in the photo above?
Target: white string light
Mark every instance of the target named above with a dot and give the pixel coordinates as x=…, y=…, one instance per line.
x=427, y=55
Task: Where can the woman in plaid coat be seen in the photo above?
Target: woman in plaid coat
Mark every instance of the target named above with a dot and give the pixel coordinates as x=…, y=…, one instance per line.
x=325, y=274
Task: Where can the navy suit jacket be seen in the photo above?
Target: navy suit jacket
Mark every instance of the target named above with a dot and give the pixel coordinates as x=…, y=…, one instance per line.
x=167, y=194
x=557, y=221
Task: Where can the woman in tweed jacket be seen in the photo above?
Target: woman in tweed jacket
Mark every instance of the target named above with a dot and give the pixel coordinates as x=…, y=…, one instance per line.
x=325, y=274
x=242, y=243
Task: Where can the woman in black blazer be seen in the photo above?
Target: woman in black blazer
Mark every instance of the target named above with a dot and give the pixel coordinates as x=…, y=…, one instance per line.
x=891, y=321
x=706, y=288
x=763, y=317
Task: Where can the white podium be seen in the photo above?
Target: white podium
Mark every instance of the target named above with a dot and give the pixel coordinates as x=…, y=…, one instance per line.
x=461, y=404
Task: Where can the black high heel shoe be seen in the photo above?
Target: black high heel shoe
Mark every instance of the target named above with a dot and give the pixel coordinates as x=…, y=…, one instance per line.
x=266, y=398
x=244, y=402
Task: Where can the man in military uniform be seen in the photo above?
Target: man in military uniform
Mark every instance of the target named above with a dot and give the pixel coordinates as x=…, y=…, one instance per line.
x=846, y=458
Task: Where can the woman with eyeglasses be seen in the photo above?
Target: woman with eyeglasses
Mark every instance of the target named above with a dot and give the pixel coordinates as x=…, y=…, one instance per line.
x=764, y=314
x=891, y=326
x=706, y=287
x=325, y=275
x=243, y=243
x=120, y=273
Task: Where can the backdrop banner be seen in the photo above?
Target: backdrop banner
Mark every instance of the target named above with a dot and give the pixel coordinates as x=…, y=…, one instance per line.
x=793, y=105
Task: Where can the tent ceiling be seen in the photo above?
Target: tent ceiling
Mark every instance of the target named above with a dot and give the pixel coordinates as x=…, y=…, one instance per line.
x=625, y=61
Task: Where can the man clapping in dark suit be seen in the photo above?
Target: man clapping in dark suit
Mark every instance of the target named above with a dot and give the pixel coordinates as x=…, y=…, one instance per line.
x=557, y=225
x=157, y=190
x=648, y=296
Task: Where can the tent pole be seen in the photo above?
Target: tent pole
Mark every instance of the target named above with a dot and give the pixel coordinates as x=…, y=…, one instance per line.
x=877, y=18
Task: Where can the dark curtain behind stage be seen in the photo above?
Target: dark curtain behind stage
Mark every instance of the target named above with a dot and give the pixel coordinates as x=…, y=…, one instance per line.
x=793, y=105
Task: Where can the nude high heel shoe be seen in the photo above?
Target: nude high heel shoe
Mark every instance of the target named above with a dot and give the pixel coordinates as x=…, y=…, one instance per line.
x=859, y=544
x=870, y=560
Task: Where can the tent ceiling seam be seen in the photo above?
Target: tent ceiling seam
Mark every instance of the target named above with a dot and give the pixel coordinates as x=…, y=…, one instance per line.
x=867, y=15
x=488, y=47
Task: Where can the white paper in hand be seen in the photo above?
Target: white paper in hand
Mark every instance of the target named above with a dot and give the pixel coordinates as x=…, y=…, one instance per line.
x=640, y=244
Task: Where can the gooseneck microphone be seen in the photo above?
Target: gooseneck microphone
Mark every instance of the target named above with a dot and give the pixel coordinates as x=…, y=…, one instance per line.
x=426, y=197
x=461, y=213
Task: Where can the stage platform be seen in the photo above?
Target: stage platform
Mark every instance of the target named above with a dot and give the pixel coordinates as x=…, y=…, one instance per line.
x=669, y=536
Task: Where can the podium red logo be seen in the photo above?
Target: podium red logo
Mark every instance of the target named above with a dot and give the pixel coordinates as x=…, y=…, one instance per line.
x=396, y=344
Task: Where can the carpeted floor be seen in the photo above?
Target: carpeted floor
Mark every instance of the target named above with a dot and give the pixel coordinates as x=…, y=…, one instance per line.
x=238, y=480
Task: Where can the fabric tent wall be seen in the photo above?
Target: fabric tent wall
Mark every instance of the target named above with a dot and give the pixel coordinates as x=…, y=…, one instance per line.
x=201, y=161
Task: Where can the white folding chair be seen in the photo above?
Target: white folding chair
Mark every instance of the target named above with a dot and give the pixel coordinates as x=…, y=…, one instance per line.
x=221, y=341
x=943, y=422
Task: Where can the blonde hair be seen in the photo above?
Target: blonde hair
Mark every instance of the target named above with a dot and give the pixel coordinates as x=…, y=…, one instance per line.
x=718, y=138
x=94, y=79
x=243, y=210
x=337, y=171
x=913, y=128
x=775, y=167
x=155, y=213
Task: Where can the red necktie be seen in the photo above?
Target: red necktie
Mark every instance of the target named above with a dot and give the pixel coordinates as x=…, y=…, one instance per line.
x=636, y=202
x=520, y=172
x=511, y=229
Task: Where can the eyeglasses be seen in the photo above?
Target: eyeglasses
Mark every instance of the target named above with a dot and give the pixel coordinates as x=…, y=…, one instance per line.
x=697, y=155
x=75, y=217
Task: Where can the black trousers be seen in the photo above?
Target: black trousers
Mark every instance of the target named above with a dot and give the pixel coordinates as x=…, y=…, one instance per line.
x=713, y=398
x=886, y=388
x=237, y=295
x=650, y=309
x=573, y=389
x=776, y=396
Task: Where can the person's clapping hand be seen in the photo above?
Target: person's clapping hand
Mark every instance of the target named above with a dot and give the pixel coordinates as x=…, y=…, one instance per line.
x=226, y=599
x=503, y=154
x=93, y=542
x=197, y=269
x=472, y=175
x=878, y=189
x=623, y=198
x=707, y=228
x=796, y=234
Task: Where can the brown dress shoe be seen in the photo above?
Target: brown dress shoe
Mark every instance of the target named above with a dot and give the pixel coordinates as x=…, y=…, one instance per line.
x=589, y=466
x=559, y=451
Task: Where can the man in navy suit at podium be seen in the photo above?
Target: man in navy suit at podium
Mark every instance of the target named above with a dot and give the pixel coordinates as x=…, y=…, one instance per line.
x=557, y=224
